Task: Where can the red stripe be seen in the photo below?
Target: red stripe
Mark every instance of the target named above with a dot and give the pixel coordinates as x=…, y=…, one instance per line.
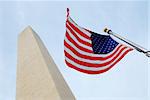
x=78, y=30
x=78, y=46
x=90, y=64
x=78, y=38
x=96, y=72
x=89, y=57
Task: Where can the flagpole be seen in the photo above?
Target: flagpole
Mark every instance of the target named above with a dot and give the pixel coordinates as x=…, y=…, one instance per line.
x=136, y=46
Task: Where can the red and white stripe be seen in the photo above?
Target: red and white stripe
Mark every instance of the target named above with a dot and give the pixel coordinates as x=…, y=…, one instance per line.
x=79, y=53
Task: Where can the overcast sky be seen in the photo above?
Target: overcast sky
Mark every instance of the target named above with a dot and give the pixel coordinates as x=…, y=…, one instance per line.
x=128, y=80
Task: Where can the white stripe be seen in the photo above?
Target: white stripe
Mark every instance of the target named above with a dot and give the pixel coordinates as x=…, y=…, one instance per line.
x=93, y=68
x=75, y=39
x=89, y=54
x=80, y=36
x=91, y=61
x=80, y=28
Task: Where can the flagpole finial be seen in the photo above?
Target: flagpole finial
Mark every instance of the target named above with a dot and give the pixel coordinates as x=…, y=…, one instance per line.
x=67, y=12
x=148, y=53
x=107, y=31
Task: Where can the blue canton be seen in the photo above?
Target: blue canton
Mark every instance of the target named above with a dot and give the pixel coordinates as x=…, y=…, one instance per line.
x=102, y=44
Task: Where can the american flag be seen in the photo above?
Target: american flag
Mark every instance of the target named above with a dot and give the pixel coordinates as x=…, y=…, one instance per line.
x=89, y=52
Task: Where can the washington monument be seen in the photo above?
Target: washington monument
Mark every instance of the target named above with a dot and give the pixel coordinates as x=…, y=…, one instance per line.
x=38, y=77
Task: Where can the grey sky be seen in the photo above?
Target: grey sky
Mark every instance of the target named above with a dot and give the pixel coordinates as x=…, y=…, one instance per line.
x=128, y=80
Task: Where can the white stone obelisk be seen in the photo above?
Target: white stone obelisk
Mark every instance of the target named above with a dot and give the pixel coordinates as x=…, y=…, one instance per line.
x=38, y=77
